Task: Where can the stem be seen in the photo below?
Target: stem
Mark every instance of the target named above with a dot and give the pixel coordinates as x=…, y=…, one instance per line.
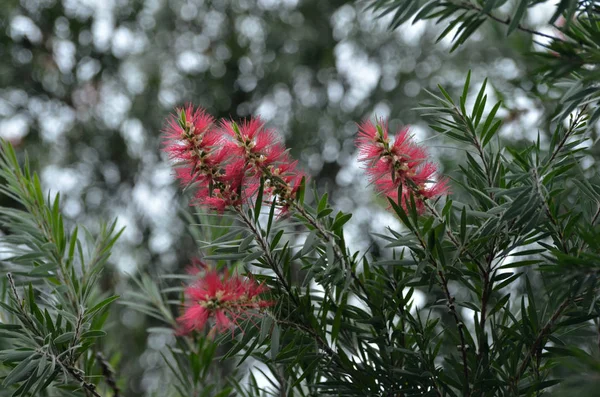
x=484, y=271
x=595, y=217
x=484, y=301
x=572, y=127
x=109, y=374
x=537, y=343
x=31, y=327
x=89, y=387
x=264, y=245
x=320, y=341
x=452, y=310
x=506, y=21
x=274, y=265
x=336, y=249
x=459, y=326
x=480, y=151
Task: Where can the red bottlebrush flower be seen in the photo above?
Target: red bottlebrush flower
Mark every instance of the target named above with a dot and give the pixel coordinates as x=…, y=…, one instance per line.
x=373, y=141
x=401, y=163
x=226, y=299
x=435, y=189
x=184, y=129
x=275, y=152
x=190, y=140
x=250, y=140
x=429, y=191
x=244, y=131
x=284, y=181
x=226, y=165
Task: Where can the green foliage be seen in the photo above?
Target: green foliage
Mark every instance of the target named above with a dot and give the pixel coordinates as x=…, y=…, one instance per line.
x=468, y=16
x=52, y=313
x=510, y=271
x=508, y=263
x=570, y=57
x=514, y=256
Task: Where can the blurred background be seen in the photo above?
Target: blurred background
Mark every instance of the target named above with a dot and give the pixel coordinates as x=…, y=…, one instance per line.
x=86, y=86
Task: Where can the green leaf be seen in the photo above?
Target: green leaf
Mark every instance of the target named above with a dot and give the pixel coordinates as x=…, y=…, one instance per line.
x=322, y=203
x=66, y=337
x=518, y=16
x=252, y=256
x=309, y=242
x=90, y=313
x=246, y=243
x=258, y=200
x=93, y=334
x=337, y=322
x=340, y=220
x=21, y=371
x=465, y=92
x=275, y=335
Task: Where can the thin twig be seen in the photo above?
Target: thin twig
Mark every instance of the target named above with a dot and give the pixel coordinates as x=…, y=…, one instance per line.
x=541, y=335
x=459, y=325
x=109, y=374
x=572, y=127
x=480, y=151
x=275, y=266
x=31, y=327
x=595, y=217
x=506, y=21
x=75, y=373
x=320, y=341
x=452, y=309
x=13, y=289
x=264, y=245
x=485, y=294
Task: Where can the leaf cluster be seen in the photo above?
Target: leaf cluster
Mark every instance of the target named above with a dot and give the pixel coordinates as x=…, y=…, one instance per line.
x=51, y=309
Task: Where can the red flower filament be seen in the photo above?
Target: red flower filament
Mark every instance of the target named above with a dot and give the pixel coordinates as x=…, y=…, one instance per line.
x=227, y=300
x=401, y=162
x=225, y=163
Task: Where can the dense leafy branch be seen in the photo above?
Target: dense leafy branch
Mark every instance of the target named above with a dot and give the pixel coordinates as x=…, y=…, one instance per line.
x=63, y=312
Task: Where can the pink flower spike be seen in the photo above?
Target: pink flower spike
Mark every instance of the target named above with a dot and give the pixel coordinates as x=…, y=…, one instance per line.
x=222, y=321
x=246, y=130
x=197, y=122
x=401, y=163
x=436, y=189
x=194, y=318
x=372, y=140
x=224, y=298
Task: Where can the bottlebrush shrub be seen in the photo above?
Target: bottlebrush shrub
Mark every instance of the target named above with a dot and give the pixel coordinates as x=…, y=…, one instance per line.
x=507, y=255
x=509, y=271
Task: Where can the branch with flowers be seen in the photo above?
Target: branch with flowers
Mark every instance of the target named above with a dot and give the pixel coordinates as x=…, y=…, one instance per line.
x=278, y=286
x=487, y=286
x=283, y=289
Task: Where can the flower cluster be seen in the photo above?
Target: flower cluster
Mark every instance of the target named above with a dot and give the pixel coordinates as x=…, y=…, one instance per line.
x=227, y=299
x=401, y=162
x=226, y=161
